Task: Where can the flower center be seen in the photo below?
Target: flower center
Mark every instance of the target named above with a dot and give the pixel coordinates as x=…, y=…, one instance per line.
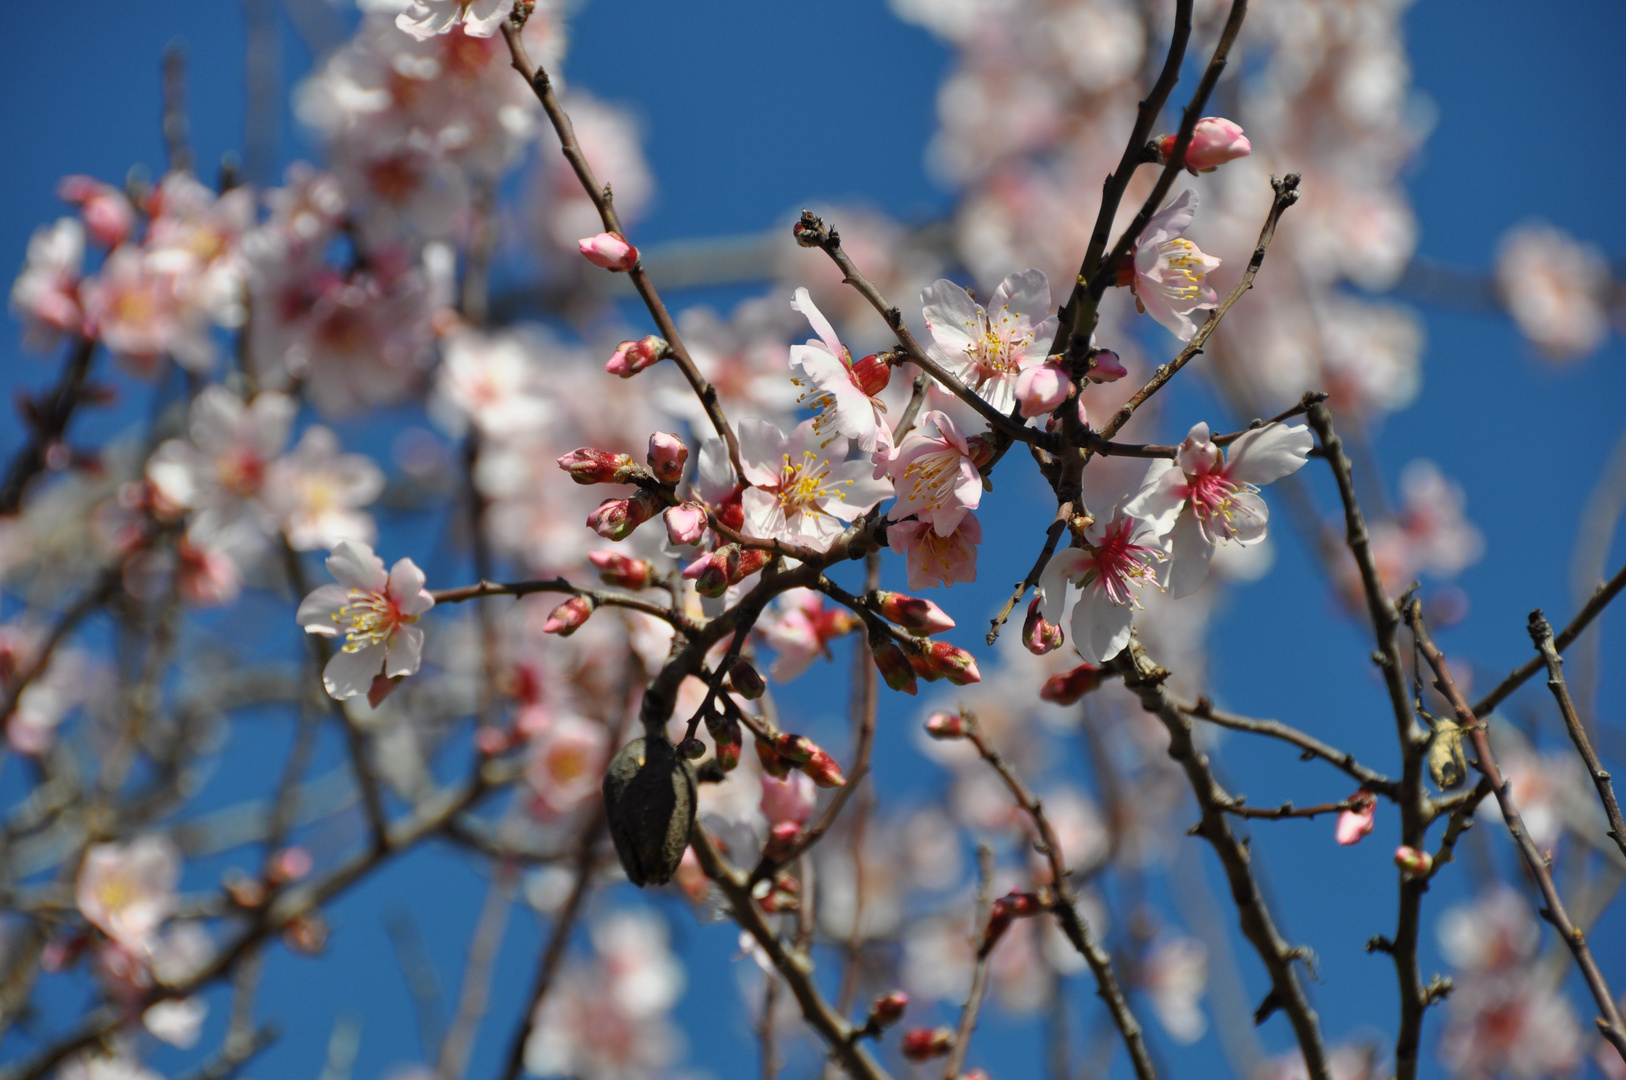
x=992, y=348
x=1213, y=501
x=1183, y=274
x=802, y=485
x=1121, y=565
x=369, y=619
x=931, y=477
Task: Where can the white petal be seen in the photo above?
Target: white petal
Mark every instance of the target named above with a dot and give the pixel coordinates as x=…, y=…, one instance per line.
x=351, y=674
x=762, y=450
x=1187, y=565
x=318, y=612
x=1249, y=518
x=1269, y=453
x=1062, y=568
x=1100, y=627
x=764, y=517
x=405, y=652
x=950, y=314
x=1157, y=501
x=406, y=588
x=354, y=566
x=802, y=302
x=1027, y=294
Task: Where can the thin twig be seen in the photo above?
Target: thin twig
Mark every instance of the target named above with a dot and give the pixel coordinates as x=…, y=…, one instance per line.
x=48, y=423
x=979, y=971
x=1609, y=1022
x=1064, y=514
x=600, y=597
x=1373, y=781
x=476, y=992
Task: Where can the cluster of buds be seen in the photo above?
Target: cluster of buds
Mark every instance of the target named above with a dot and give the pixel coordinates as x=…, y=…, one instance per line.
x=1069, y=686
x=631, y=357
x=923, y=1044
x=1357, y=821
x=1413, y=863
x=1003, y=912
x=780, y=893
x=947, y=725
x=940, y=660
x=589, y=466
x=288, y=865
x=787, y=751
x=713, y=572
x=622, y=571
x=1040, y=635
x=727, y=737
x=615, y=519
x=569, y=616
x=1214, y=141
x=918, y=617
x=609, y=250
x=667, y=456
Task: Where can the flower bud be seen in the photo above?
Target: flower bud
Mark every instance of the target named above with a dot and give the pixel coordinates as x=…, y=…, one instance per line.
x=919, y=617
x=1068, y=687
x=568, y=617
x=1105, y=366
x=872, y=373
x=980, y=449
x=711, y=571
x=894, y=665
x=726, y=737
x=589, y=466
x=692, y=749
x=790, y=798
x=945, y=725
x=782, y=838
x=952, y=663
x=1040, y=635
x=1413, y=863
x=289, y=865
x=609, y=250
x=615, y=519
x=796, y=749
x=923, y=1044
x=306, y=933
x=631, y=357
x=1214, y=141
x=822, y=769
x=1357, y=821
x=667, y=456
x=772, y=764
x=889, y=1010
x=751, y=560
x=108, y=216
x=1042, y=387
x=621, y=570
x=685, y=523
x=746, y=680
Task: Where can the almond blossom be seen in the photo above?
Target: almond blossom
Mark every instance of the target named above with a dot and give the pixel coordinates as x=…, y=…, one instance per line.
x=1119, y=556
x=988, y=349
x=934, y=559
x=934, y=474
x=140, y=306
x=492, y=381
x=799, y=627
x=128, y=890
x=224, y=463
x=799, y=493
x=1169, y=271
x=1556, y=288
x=423, y=19
x=373, y=612
x=566, y=764
x=45, y=295
x=1203, y=498
x=842, y=392
x=317, y=493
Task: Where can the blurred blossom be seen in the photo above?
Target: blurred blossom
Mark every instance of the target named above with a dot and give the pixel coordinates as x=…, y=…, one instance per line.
x=560, y=211
x=491, y=381
x=45, y=295
x=317, y=493
x=1557, y=289
x=1174, y=974
x=128, y=890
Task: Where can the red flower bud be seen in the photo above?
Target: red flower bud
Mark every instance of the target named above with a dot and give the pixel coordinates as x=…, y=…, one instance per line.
x=923, y=1044
x=917, y=616
x=952, y=663
x=711, y=572
x=746, y=681
x=615, y=519
x=823, y=769
x=751, y=560
x=725, y=736
x=797, y=749
x=568, y=617
x=889, y=1010
x=945, y=725
x=667, y=456
x=617, y=569
x=1040, y=635
x=1068, y=687
x=1413, y=862
x=631, y=357
x=590, y=466
x=894, y=665
x=872, y=373
x=771, y=762
x=782, y=840
x=609, y=250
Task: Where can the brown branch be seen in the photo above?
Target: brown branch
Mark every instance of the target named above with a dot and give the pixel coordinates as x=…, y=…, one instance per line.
x=476, y=991
x=1609, y=1022
x=93, y=598
x=1461, y=819
x=1146, y=679
x=1287, y=193
x=1561, y=641
x=1287, y=810
x=1064, y=514
x=1065, y=906
x=1370, y=779
x=795, y=966
x=48, y=422
x=600, y=597
x=979, y=971
x=1541, y=632
x=542, y=86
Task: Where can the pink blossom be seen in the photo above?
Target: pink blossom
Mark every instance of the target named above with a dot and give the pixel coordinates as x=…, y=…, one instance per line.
x=424, y=19
x=317, y=493
x=566, y=764
x=1042, y=387
x=667, y=457
x=569, y=616
x=493, y=381
x=1214, y=141
x=790, y=799
x=1357, y=821
x=610, y=251
x=128, y=890
x=1169, y=270
x=935, y=476
x=617, y=519
x=1039, y=635
x=1203, y=498
x=140, y=307
x=45, y=295
x=842, y=395
x=221, y=469
x=1119, y=557
x=107, y=214
x=988, y=349
x=1174, y=973
x=799, y=628
x=919, y=617
x=1557, y=289
x=800, y=493
x=373, y=612
x=1105, y=366
x=631, y=357
x=933, y=559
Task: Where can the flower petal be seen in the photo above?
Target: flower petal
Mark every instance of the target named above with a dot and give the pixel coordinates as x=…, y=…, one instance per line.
x=1063, y=567
x=1100, y=627
x=803, y=302
x=1269, y=453
x=1187, y=565
x=351, y=674
x=354, y=566
x=404, y=652
x=319, y=612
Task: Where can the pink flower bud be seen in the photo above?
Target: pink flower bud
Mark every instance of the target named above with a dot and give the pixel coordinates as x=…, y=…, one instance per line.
x=306, y=933
x=953, y=663
x=894, y=665
x=1042, y=387
x=710, y=572
x=923, y=1044
x=1214, y=141
x=609, y=250
x=782, y=838
x=568, y=617
x=108, y=216
x=889, y=1010
x=589, y=466
x=1040, y=635
x=1068, y=687
x=1357, y=821
x=667, y=456
x=631, y=357
x=772, y=764
x=917, y=616
x=1105, y=366
x=788, y=799
x=615, y=519
x=685, y=523
x=823, y=770
x=1412, y=862
x=290, y=864
x=746, y=680
x=872, y=373
x=620, y=570
x=945, y=725
x=491, y=740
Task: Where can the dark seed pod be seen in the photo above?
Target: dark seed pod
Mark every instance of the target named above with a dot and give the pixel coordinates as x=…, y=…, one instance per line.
x=649, y=803
x=1446, y=763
